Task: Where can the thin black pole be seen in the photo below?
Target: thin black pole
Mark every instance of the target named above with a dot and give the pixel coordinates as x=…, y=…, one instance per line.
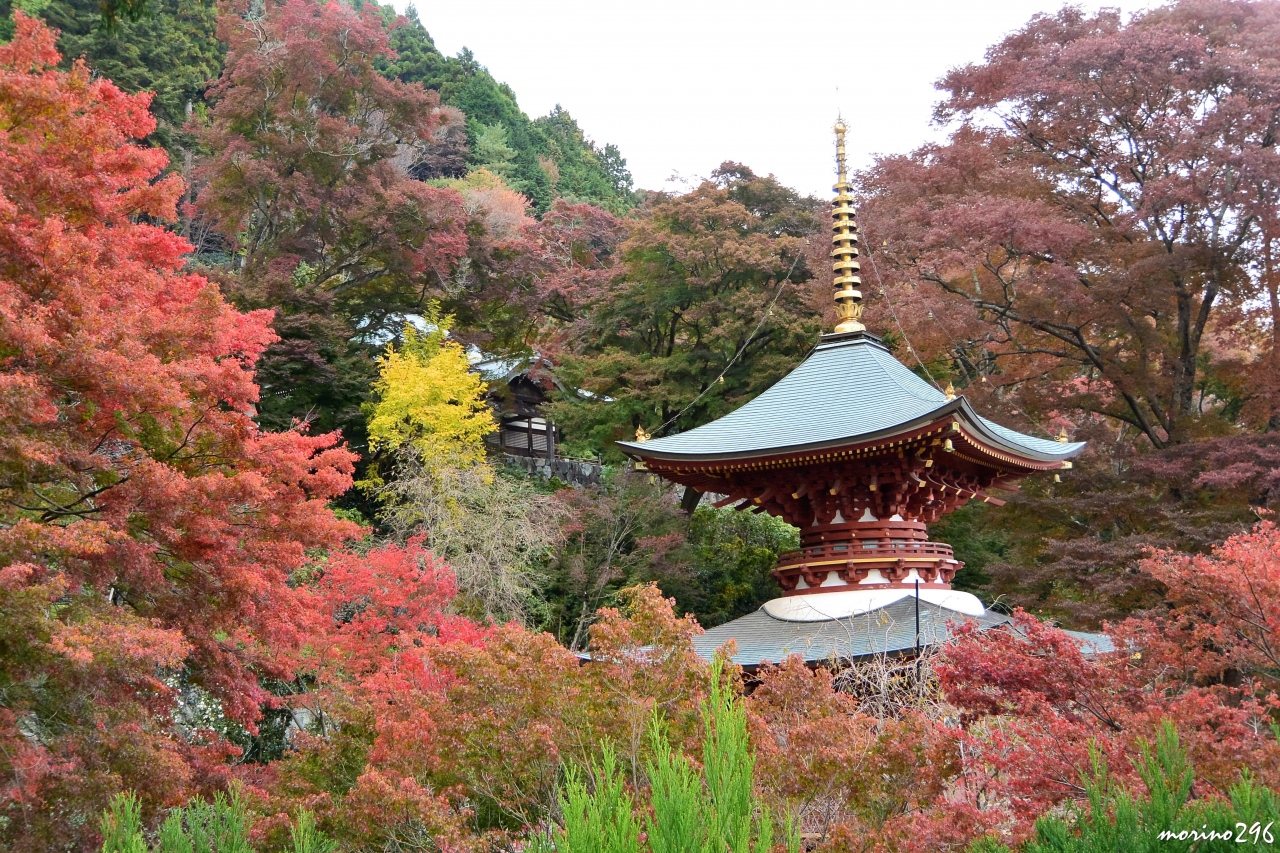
x=917, y=627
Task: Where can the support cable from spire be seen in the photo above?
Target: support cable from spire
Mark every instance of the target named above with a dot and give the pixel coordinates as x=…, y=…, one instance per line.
x=768, y=312
x=884, y=291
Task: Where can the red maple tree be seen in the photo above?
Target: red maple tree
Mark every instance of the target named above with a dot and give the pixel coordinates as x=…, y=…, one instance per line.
x=1035, y=702
x=311, y=154
x=147, y=526
x=1087, y=233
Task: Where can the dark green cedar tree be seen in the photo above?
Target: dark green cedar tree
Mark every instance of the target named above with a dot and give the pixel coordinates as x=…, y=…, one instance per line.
x=172, y=50
x=552, y=157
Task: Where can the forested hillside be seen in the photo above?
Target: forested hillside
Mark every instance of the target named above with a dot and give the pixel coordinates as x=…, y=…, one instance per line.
x=267, y=271
x=173, y=51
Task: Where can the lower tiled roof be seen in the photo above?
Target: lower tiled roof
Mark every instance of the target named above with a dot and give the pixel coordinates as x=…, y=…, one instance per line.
x=762, y=639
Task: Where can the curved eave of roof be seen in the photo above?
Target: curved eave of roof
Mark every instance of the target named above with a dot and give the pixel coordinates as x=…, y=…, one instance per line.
x=849, y=390
x=1011, y=441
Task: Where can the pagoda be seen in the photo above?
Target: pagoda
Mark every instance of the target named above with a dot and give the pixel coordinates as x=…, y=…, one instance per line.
x=860, y=454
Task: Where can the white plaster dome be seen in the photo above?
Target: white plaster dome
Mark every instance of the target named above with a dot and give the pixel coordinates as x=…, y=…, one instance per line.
x=825, y=606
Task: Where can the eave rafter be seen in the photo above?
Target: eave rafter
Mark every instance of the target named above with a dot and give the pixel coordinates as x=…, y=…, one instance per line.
x=923, y=474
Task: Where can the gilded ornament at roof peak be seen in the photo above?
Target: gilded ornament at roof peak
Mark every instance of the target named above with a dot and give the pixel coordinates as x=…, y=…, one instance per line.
x=844, y=239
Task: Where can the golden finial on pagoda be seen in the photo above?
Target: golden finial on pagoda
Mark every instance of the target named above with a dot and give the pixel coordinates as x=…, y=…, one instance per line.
x=950, y=392
x=1061, y=436
x=844, y=252
x=641, y=435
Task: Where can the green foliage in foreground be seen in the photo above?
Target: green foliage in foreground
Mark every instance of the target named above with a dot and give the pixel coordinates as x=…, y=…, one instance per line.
x=1116, y=821
x=221, y=826
x=710, y=812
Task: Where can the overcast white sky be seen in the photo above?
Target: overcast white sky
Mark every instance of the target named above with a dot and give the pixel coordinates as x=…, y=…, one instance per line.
x=680, y=87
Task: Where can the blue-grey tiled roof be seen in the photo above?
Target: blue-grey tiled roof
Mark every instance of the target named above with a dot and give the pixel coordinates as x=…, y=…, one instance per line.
x=846, y=389
x=762, y=638
x=1092, y=644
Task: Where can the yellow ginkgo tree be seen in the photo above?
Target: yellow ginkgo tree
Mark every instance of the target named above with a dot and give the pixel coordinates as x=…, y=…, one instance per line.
x=428, y=423
x=427, y=397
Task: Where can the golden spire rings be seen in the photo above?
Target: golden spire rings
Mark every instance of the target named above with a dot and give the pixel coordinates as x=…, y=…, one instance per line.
x=844, y=240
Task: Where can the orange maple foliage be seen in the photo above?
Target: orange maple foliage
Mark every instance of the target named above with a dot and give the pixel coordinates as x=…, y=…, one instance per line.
x=846, y=775
x=463, y=734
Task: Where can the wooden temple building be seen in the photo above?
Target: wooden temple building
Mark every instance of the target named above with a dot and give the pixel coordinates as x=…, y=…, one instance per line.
x=860, y=454
x=523, y=427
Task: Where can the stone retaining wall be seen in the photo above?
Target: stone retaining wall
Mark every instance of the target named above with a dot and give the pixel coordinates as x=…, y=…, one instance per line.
x=576, y=472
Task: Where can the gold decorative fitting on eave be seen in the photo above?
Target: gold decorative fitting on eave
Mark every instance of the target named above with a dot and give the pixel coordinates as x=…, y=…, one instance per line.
x=984, y=448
